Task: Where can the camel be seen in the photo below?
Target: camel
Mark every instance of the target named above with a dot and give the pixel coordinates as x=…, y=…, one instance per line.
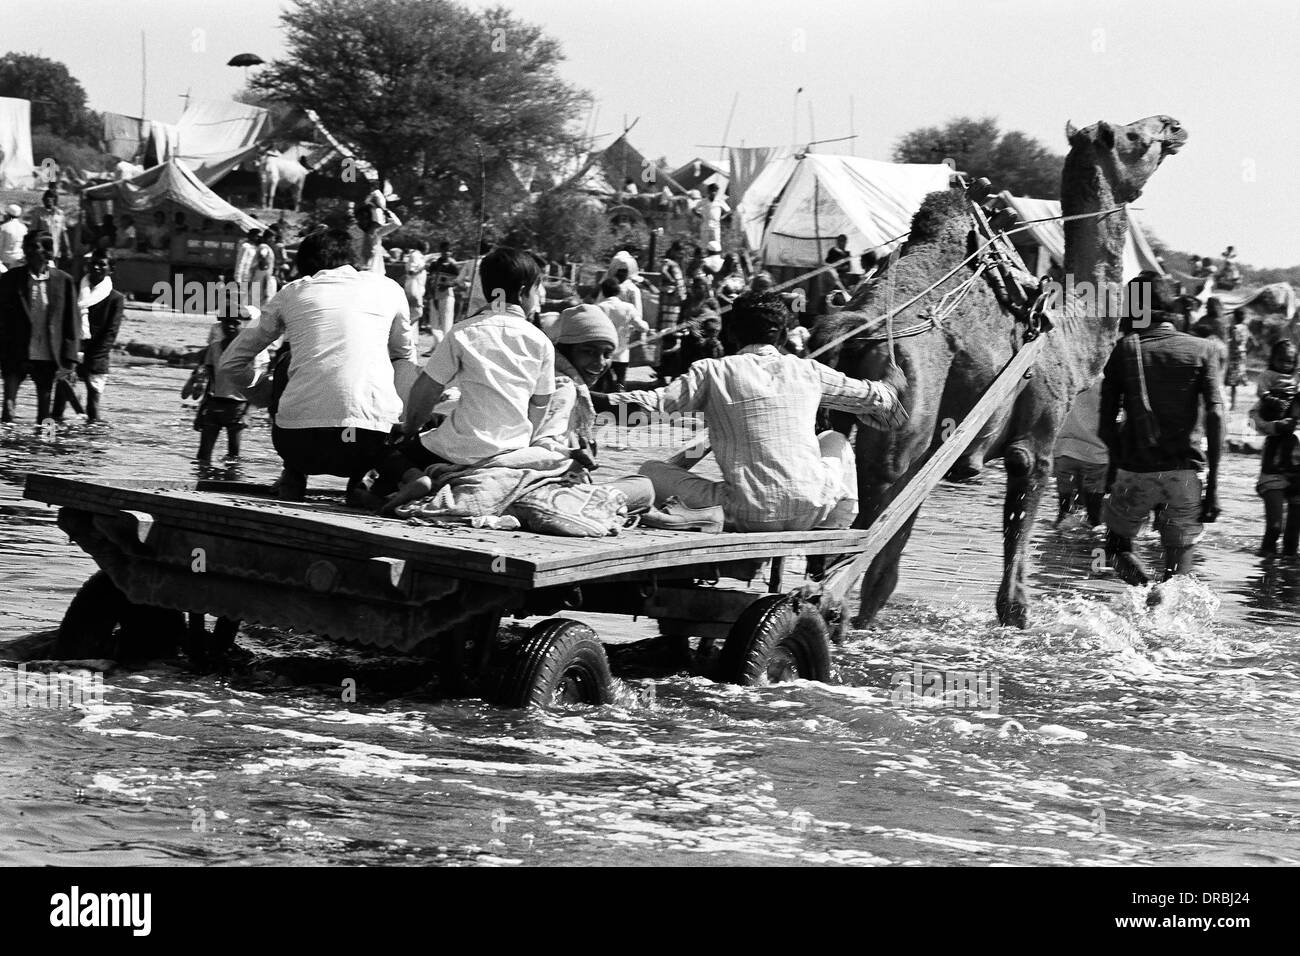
x=275, y=168
x=950, y=367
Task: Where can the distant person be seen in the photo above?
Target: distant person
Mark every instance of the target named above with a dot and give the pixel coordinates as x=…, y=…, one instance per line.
x=347, y=331
x=263, y=281
x=415, y=266
x=40, y=328
x=1238, y=342
x=127, y=240
x=711, y=210
x=443, y=271
x=51, y=219
x=624, y=268
x=840, y=257
x=1161, y=380
x=1210, y=327
x=1275, y=416
x=626, y=321
x=12, y=232
x=1080, y=460
x=102, y=308
x=245, y=260
x=376, y=222
x=224, y=404
x=157, y=233
x=672, y=291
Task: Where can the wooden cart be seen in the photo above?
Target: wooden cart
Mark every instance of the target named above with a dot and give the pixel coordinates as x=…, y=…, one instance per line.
x=171, y=548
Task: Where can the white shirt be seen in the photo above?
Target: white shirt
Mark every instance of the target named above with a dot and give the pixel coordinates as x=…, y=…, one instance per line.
x=499, y=361
x=244, y=259
x=346, y=330
x=630, y=293
x=625, y=319
x=11, y=243
x=415, y=274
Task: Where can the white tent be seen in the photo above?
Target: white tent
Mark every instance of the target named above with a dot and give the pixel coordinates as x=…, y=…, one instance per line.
x=869, y=201
x=1050, y=236
x=17, y=168
x=212, y=137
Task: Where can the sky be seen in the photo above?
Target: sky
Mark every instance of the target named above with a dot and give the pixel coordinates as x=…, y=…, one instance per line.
x=1229, y=72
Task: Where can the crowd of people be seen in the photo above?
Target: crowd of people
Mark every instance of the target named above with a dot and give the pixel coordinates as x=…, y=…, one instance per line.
x=1168, y=378
x=508, y=375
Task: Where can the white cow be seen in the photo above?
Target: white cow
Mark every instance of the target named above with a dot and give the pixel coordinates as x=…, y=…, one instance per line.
x=276, y=167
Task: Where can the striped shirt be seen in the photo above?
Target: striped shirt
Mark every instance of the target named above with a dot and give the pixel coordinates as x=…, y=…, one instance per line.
x=761, y=407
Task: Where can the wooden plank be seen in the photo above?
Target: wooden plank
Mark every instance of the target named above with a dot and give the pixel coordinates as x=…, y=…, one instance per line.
x=841, y=576
x=524, y=559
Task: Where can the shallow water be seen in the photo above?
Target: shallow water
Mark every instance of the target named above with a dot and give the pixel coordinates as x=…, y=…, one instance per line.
x=1119, y=732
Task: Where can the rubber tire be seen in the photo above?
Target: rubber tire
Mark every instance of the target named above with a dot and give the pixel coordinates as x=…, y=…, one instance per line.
x=769, y=623
x=89, y=623
x=553, y=650
x=101, y=623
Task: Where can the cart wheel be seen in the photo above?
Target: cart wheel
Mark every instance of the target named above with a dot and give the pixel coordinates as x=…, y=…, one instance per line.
x=559, y=662
x=101, y=622
x=773, y=641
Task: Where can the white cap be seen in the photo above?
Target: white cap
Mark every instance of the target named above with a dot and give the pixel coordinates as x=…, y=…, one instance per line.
x=713, y=246
x=13, y=209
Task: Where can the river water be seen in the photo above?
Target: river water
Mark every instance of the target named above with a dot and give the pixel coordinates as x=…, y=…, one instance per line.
x=1110, y=731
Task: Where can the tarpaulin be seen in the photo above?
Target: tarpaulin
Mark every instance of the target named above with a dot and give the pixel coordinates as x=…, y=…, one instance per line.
x=171, y=182
x=1050, y=235
x=125, y=136
x=17, y=168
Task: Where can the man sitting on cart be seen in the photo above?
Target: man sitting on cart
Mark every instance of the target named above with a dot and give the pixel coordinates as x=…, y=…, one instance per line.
x=761, y=407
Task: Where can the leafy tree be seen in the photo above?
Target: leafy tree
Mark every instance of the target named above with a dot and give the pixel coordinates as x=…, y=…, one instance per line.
x=416, y=84
x=1010, y=160
x=58, y=100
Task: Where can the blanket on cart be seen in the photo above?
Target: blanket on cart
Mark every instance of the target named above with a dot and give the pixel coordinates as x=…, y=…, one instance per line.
x=541, y=490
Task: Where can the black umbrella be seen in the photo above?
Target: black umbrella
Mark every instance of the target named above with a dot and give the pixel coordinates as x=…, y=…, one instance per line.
x=245, y=60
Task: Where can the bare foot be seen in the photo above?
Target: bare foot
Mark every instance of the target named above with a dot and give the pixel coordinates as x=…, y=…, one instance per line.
x=412, y=491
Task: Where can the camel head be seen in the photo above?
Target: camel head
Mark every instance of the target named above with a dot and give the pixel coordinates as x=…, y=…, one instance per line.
x=1127, y=155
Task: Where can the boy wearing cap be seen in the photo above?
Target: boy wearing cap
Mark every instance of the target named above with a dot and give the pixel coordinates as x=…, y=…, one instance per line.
x=761, y=406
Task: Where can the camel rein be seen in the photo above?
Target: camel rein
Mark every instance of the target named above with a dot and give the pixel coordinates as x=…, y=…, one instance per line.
x=960, y=292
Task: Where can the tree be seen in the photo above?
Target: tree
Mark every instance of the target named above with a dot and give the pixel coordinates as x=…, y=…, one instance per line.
x=417, y=85
x=1011, y=161
x=58, y=100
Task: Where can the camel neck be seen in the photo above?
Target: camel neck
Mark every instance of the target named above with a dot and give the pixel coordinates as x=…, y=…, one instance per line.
x=1094, y=246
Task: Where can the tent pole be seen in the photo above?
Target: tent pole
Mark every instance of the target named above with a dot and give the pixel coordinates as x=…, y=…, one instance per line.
x=817, y=229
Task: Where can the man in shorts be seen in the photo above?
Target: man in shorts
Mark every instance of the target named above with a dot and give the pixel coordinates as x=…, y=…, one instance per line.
x=1161, y=378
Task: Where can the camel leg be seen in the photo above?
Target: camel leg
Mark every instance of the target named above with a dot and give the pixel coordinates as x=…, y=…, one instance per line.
x=1027, y=476
x=881, y=579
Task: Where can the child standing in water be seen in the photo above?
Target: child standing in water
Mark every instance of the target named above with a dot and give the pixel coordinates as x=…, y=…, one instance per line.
x=223, y=405
x=1275, y=416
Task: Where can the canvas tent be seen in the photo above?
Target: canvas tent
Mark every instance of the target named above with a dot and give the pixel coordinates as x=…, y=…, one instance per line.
x=605, y=171
x=170, y=186
x=1049, y=237
x=701, y=173
x=870, y=201
x=17, y=168
x=212, y=137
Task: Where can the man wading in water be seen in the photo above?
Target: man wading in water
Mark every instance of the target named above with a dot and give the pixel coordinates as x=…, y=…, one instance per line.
x=1160, y=378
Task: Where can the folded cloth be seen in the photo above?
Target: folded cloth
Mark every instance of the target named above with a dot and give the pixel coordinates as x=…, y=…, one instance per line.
x=488, y=488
